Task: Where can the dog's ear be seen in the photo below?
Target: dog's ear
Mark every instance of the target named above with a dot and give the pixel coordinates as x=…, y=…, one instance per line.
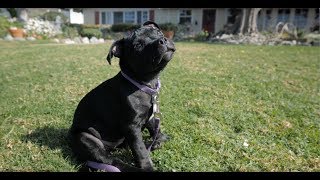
x=115, y=50
x=151, y=23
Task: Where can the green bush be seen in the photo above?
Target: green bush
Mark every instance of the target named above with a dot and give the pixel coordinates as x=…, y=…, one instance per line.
x=106, y=33
x=16, y=24
x=94, y=26
x=51, y=16
x=76, y=26
x=70, y=32
x=201, y=36
x=4, y=26
x=168, y=27
x=90, y=32
x=124, y=27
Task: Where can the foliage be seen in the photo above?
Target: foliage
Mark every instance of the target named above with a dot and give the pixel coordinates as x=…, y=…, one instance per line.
x=91, y=32
x=4, y=26
x=70, y=32
x=124, y=27
x=51, y=16
x=168, y=27
x=106, y=33
x=183, y=32
x=201, y=36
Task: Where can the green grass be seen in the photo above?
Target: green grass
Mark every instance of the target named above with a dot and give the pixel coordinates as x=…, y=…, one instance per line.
x=213, y=98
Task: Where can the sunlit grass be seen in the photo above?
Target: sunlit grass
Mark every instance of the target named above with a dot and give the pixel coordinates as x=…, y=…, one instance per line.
x=214, y=98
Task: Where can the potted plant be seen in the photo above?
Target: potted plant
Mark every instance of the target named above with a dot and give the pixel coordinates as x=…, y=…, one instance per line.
x=16, y=29
x=168, y=29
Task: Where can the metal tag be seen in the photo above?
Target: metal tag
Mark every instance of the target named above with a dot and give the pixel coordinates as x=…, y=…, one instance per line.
x=155, y=107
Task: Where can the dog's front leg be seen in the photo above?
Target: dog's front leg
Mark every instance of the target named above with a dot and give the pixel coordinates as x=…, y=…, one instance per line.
x=138, y=148
x=160, y=137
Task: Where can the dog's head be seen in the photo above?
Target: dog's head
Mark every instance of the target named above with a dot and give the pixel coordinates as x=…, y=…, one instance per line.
x=145, y=52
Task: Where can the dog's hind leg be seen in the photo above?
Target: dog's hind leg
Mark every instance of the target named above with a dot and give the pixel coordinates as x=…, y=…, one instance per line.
x=88, y=147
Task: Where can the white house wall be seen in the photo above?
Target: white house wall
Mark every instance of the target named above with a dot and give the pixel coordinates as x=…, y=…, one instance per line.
x=166, y=15
x=221, y=19
x=196, y=20
x=76, y=17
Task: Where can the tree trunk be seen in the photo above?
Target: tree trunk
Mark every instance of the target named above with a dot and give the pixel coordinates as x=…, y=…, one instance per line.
x=243, y=20
x=22, y=14
x=249, y=21
x=253, y=21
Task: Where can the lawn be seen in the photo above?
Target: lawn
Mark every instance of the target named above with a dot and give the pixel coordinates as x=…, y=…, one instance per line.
x=226, y=107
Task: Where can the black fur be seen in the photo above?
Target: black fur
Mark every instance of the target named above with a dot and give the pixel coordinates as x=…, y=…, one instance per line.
x=117, y=109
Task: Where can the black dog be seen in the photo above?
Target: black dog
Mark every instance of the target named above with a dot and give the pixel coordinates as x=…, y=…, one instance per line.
x=117, y=111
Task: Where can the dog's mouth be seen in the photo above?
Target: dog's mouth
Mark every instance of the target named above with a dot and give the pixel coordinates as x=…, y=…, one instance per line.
x=171, y=49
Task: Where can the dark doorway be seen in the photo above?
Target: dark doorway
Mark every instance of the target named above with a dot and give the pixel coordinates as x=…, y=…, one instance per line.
x=208, y=20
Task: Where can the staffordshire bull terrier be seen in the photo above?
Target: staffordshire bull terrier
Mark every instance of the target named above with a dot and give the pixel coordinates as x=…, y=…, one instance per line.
x=119, y=109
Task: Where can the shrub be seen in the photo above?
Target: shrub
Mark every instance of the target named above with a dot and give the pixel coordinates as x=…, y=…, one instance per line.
x=183, y=32
x=76, y=26
x=70, y=32
x=16, y=24
x=90, y=32
x=51, y=16
x=124, y=27
x=4, y=26
x=168, y=27
x=106, y=33
x=94, y=26
x=201, y=36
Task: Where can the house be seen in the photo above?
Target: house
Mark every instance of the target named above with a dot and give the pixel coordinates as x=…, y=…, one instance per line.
x=198, y=19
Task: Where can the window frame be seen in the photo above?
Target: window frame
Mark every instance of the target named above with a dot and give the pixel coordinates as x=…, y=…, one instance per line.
x=185, y=15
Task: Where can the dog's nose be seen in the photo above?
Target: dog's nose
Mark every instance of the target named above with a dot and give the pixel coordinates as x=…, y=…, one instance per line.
x=163, y=41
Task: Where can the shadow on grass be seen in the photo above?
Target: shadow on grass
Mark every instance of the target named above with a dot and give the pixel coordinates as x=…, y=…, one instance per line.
x=54, y=138
x=57, y=138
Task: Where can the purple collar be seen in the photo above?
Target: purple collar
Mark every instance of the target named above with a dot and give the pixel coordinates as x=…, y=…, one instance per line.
x=143, y=87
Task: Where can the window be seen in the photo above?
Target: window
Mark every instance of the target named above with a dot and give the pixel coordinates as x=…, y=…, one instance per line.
x=283, y=15
x=103, y=17
x=267, y=19
x=185, y=16
x=117, y=17
x=129, y=16
x=300, y=19
x=106, y=17
x=142, y=16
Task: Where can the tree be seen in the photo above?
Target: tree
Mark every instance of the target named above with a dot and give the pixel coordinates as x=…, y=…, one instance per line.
x=22, y=14
x=249, y=21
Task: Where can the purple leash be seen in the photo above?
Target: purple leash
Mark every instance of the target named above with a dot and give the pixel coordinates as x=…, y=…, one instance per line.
x=102, y=166
x=153, y=93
